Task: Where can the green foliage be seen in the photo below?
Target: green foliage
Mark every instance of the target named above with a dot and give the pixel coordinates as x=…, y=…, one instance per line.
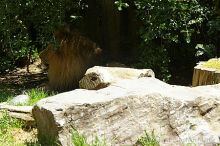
x=36, y=95
x=27, y=25
x=171, y=19
x=7, y=122
x=80, y=140
x=14, y=40
x=165, y=24
x=148, y=140
x=120, y=5
x=6, y=125
x=208, y=50
x=154, y=57
x=214, y=26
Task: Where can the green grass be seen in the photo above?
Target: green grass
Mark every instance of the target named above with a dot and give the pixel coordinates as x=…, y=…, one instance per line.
x=80, y=140
x=148, y=140
x=6, y=122
x=6, y=94
x=7, y=126
x=36, y=95
x=212, y=63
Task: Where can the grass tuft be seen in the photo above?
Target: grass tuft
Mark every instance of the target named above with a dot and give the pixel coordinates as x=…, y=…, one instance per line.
x=148, y=140
x=36, y=95
x=145, y=140
x=7, y=124
x=10, y=130
x=80, y=140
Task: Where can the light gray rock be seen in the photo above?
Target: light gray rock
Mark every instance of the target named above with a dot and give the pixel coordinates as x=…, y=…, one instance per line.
x=99, y=77
x=122, y=112
x=20, y=99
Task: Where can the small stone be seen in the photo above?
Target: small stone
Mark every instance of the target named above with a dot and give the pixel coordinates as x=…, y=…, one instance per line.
x=20, y=99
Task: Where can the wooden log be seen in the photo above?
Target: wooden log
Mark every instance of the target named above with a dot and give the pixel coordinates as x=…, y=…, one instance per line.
x=100, y=77
x=18, y=109
x=22, y=116
x=205, y=76
x=23, y=113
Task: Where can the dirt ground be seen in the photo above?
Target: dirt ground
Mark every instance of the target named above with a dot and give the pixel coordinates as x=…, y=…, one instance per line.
x=19, y=79
x=21, y=136
x=16, y=82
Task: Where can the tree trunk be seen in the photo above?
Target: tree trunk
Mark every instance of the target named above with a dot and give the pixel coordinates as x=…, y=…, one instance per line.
x=103, y=26
x=115, y=31
x=205, y=76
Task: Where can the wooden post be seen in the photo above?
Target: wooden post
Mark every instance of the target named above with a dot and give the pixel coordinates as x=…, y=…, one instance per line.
x=205, y=76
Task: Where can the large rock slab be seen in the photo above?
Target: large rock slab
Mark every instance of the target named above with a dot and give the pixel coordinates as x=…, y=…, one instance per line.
x=122, y=112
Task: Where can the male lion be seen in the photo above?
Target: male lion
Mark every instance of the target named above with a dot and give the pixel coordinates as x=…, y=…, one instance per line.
x=68, y=63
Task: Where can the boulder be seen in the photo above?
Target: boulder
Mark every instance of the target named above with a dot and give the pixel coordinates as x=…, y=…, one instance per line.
x=122, y=112
x=99, y=77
